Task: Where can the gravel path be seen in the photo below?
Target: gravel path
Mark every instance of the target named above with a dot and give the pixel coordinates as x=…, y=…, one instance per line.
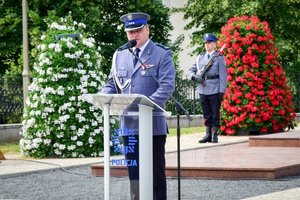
x=77, y=183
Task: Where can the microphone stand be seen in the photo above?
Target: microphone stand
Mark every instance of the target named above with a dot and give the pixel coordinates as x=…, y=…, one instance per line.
x=179, y=109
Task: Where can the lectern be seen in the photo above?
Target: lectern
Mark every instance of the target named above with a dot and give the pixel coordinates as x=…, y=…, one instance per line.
x=144, y=108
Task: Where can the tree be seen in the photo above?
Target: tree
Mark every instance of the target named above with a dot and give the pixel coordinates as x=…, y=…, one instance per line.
x=282, y=15
x=100, y=16
x=11, y=33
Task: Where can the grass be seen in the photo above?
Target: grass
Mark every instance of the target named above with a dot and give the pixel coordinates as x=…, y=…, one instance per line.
x=183, y=131
x=10, y=147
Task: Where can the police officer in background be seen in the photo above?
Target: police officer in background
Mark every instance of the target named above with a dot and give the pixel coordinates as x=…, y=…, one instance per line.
x=130, y=77
x=212, y=88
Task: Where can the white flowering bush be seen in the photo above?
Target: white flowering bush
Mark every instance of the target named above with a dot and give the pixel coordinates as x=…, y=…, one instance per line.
x=57, y=121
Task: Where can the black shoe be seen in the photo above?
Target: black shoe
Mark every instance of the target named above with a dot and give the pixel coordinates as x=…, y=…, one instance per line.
x=214, y=141
x=205, y=139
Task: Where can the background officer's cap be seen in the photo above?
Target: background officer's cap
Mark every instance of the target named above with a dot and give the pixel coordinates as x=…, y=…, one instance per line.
x=209, y=37
x=135, y=20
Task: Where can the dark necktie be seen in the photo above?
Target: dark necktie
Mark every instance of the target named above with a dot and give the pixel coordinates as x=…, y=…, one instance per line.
x=136, y=51
x=208, y=56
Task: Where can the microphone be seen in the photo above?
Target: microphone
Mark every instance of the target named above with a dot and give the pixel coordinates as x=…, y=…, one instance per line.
x=129, y=44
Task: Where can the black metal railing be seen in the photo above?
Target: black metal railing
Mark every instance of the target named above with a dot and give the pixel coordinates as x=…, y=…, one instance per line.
x=296, y=97
x=11, y=99
x=185, y=94
x=11, y=102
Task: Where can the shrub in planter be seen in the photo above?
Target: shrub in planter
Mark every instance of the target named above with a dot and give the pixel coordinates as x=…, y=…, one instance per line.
x=257, y=93
x=57, y=121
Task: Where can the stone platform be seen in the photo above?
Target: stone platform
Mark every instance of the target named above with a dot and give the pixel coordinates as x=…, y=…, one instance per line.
x=263, y=157
x=288, y=139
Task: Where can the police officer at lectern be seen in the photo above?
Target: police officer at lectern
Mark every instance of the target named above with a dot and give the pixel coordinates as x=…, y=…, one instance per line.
x=128, y=76
x=211, y=88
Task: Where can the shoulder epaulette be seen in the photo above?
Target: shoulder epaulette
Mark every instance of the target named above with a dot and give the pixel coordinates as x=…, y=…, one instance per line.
x=162, y=46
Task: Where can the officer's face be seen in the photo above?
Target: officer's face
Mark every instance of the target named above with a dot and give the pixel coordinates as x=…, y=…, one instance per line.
x=140, y=35
x=209, y=46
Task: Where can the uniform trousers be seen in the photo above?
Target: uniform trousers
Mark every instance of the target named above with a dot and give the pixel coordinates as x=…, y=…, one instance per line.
x=211, y=105
x=159, y=177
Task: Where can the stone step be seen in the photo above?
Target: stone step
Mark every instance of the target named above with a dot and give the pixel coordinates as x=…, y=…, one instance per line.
x=237, y=161
x=285, y=139
x=211, y=172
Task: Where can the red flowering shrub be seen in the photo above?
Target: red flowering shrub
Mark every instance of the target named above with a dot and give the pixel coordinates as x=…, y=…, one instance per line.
x=257, y=93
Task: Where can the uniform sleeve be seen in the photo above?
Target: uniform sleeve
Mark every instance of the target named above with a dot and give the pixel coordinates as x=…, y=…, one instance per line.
x=222, y=74
x=110, y=87
x=192, y=71
x=166, y=77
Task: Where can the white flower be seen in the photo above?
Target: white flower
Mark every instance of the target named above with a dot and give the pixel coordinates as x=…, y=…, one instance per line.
x=79, y=143
x=57, y=152
x=87, y=56
x=31, y=122
x=42, y=47
x=91, y=140
x=89, y=42
x=49, y=90
x=71, y=147
x=82, y=25
x=80, y=132
x=47, y=141
x=97, y=131
x=62, y=146
x=36, y=142
x=78, y=53
x=74, y=154
x=80, y=65
x=74, y=138
x=81, y=111
x=72, y=98
x=60, y=90
x=94, y=123
x=49, y=70
x=55, y=25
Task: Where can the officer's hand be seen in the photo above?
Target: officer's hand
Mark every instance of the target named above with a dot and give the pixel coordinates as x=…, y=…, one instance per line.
x=197, y=79
x=221, y=95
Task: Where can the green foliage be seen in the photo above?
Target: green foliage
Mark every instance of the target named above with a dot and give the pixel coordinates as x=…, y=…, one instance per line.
x=282, y=15
x=11, y=33
x=57, y=121
x=100, y=16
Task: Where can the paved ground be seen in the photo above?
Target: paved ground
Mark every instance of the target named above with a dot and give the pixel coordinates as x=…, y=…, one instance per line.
x=71, y=179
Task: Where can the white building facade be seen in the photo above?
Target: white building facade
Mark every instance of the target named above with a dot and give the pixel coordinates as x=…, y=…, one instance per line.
x=185, y=59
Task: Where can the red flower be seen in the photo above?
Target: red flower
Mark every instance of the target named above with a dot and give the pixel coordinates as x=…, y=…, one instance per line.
x=257, y=92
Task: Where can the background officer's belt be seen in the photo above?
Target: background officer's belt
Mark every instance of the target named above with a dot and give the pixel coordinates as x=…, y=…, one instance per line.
x=211, y=77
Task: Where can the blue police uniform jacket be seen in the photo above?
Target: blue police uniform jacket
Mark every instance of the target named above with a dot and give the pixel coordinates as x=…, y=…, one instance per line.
x=159, y=63
x=218, y=68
